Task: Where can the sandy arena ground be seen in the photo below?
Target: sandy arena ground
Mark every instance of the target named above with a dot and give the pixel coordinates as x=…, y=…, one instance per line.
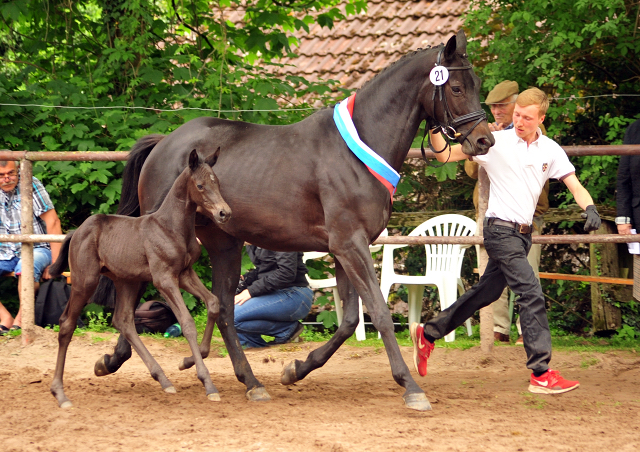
x=351, y=404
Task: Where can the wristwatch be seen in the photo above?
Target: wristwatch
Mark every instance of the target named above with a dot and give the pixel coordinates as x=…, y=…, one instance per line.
x=623, y=220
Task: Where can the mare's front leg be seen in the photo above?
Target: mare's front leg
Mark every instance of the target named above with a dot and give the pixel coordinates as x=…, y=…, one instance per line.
x=358, y=267
x=68, y=322
x=225, y=253
x=168, y=287
x=123, y=320
x=297, y=370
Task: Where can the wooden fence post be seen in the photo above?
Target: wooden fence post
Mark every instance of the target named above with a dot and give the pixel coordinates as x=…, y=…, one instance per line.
x=27, y=297
x=486, y=314
x=603, y=260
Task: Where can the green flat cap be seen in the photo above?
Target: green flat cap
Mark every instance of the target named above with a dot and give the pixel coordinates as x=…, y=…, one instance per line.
x=501, y=91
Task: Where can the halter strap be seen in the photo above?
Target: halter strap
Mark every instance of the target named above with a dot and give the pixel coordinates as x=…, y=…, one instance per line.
x=448, y=129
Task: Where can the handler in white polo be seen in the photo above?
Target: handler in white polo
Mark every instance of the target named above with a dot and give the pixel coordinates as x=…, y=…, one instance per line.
x=518, y=165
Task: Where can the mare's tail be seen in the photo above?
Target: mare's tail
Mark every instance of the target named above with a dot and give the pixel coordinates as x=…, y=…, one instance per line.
x=129, y=202
x=61, y=264
x=105, y=294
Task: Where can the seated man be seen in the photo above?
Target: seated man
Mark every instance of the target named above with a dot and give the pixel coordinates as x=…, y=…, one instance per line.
x=272, y=298
x=45, y=220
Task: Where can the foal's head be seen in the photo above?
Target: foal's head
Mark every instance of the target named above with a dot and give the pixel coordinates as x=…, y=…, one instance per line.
x=204, y=188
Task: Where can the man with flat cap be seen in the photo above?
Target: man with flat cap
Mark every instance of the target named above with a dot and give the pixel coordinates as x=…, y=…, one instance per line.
x=502, y=101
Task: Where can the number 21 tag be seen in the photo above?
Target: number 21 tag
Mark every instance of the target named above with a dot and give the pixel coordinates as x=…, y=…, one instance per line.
x=439, y=75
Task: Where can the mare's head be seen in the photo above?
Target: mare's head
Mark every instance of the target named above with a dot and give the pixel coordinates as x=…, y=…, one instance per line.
x=204, y=188
x=453, y=105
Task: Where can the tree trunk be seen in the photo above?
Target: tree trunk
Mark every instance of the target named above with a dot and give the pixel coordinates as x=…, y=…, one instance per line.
x=603, y=259
x=486, y=313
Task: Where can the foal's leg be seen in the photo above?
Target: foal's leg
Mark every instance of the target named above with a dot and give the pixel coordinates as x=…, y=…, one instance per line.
x=169, y=290
x=190, y=282
x=357, y=265
x=123, y=320
x=68, y=321
x=109, y=364
x=225, y=253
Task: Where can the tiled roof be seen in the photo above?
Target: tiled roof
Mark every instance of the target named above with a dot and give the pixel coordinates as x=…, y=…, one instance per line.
x=360, y=46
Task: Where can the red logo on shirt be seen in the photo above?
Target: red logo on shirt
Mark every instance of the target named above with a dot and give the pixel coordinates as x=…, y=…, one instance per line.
x=544, y=167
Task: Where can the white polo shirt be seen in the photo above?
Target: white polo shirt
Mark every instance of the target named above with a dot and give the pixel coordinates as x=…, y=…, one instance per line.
x=518, y=172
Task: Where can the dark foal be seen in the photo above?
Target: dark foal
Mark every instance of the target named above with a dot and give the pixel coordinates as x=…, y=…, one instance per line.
x=300, y=188
x=160, y=248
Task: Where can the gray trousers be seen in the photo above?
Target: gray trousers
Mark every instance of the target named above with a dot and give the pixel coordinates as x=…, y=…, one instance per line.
x=508, y=265
x=501, y=313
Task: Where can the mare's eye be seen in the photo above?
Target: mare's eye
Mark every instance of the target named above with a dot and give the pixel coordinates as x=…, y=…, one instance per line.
x=456, y=89
x=199, y=187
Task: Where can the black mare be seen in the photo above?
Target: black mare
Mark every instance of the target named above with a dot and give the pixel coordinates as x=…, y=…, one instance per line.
x=299, y=188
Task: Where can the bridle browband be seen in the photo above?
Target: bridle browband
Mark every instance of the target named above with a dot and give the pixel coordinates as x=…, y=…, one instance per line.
x=448, y=129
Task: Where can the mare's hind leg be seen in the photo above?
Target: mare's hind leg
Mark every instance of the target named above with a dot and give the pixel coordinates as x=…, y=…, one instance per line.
x=68, y=321
x=109, y=364
x=123, y=320
x=225, y=253
x=356, y=264
x=169, y=289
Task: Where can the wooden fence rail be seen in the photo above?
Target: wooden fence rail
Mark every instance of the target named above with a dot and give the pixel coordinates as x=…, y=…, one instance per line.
x=28, y=238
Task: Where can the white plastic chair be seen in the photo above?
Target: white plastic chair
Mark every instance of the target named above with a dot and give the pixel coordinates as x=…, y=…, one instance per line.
x=331, y=283
x=443, y=266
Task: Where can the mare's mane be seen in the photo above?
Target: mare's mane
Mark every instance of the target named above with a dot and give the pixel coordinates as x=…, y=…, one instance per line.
x=401, y=59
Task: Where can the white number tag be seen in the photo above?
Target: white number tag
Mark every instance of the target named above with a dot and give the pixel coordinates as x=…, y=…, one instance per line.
x=439, y=75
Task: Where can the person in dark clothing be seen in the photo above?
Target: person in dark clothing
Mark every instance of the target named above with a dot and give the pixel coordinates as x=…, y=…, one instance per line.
x=628, y=185
x=272, y=298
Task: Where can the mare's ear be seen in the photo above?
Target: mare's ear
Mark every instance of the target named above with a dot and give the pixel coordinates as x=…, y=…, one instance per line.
x=213, y=158
x=194, y=160
x=457, y=43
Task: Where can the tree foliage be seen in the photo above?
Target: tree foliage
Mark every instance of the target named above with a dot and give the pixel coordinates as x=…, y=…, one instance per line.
x=575, y=51
x=163, y=62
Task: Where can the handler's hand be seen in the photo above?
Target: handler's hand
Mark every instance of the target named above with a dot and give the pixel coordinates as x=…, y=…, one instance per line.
x=242, y=297
x=593, y=218
x=495, y=127
x=624, y=229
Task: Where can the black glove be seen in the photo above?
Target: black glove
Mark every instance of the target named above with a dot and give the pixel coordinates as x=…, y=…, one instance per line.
x=593, y=218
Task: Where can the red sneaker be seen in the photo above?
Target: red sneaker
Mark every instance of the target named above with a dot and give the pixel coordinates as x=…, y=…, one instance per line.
x=551, y=383
x=422, y=348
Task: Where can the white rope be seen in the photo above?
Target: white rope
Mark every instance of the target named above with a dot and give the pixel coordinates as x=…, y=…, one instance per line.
x=127, y=107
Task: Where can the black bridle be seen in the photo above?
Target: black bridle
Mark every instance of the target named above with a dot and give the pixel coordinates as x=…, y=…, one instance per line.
x=448, y=128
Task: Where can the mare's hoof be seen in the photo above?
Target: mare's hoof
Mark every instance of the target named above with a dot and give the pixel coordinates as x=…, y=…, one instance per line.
x=258, y=394
x=170, y=390
x=66, y=404
x=100, y=369
x=288, y=375
x=417, y=401
x=214, y=397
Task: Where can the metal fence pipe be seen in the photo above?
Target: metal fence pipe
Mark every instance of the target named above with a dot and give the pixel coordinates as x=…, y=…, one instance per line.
x=110, y=156
x=32, y=238
x=572, y=151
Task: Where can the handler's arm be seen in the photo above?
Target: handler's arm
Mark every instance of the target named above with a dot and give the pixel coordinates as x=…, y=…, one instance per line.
x=456, y=149
x=581, y=195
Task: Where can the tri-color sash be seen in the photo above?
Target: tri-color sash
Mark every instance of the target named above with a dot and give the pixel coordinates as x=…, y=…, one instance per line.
x=382, y=171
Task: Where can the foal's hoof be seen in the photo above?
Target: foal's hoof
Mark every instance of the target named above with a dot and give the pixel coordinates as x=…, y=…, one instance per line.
x=66, y=404
x=100, y=369
x=186, y=363
x=214, y=397
x=417, y=401
x=258, y=394
x=288, y=375
x=170, y=390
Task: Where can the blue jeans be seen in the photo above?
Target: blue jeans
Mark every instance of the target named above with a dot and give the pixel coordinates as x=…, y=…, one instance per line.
x=275, y=314
x=41, y=259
